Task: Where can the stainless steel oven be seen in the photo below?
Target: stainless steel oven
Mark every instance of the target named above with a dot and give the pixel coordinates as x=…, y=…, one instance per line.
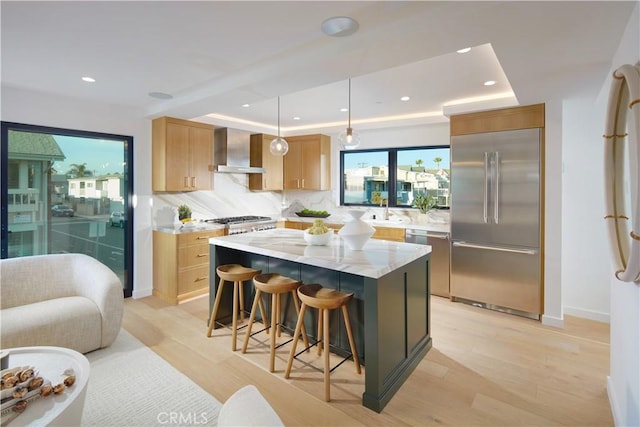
x=440, y=257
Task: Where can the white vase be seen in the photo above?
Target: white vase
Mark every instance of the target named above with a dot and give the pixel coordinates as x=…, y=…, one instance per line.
x=356, y=232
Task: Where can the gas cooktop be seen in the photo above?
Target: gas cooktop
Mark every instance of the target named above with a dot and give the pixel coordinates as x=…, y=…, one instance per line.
x=245, y=224
x=239, y=219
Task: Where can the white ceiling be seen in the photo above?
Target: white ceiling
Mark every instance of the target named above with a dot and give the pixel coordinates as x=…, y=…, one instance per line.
x=215, y=56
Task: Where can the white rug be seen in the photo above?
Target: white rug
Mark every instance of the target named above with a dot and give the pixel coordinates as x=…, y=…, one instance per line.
x=130, y=385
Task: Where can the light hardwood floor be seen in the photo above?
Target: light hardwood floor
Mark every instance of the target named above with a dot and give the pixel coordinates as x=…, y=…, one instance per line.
x=485, y=369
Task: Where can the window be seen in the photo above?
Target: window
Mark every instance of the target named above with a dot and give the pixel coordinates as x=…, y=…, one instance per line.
x=45, y=206
x=394, y=176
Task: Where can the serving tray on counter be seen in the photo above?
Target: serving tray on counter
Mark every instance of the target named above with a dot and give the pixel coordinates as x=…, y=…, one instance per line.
x=306, y=215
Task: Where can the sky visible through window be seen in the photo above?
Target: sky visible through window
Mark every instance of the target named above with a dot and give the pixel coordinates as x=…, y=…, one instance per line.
x=408, y=157
x=102, y=157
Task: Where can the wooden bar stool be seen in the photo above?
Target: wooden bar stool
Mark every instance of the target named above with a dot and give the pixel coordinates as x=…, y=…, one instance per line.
x=236, y=274
x=276, y=285
x=324, y=299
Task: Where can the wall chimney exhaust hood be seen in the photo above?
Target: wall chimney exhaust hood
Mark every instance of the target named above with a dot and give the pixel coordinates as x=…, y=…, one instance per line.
x=231, y=151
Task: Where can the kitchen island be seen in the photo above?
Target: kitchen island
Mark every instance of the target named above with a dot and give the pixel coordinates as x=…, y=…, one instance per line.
x=389, y=312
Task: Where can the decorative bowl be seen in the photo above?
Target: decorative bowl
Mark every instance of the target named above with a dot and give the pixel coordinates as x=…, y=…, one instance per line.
x=318, y=239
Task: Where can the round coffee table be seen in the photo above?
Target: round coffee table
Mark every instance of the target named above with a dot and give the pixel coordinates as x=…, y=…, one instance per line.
x=56, y=410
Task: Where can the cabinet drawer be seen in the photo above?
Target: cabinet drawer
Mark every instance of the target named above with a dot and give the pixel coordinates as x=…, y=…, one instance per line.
x=190, y=256
x=389, y=233
x=196, y=238
x=193, y=279
x=294, y=225
x=336, y=227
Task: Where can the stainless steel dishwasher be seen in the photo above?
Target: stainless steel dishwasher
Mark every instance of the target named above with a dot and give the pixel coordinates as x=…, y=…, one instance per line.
x=439, y=270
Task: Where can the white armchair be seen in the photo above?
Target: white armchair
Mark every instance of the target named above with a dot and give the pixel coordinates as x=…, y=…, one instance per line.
x=64, y=300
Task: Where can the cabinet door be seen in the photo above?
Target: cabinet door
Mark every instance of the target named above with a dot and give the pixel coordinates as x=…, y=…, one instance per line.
x=293, y=166
x=201, y=158
x=311, y=165
x=177, y=157
x=308, y=163
x=260, y=156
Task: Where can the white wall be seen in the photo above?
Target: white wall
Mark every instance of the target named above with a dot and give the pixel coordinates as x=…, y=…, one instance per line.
x=34, y=108
x=623, y=384
x=585, y=277
x=553, y=244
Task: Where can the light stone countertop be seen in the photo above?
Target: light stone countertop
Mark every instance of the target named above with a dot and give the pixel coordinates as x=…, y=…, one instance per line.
x=401, y=222
x=377, y=258
x=181, y=229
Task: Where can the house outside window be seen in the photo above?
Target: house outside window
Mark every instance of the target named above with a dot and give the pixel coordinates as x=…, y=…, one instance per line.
x=394, y=176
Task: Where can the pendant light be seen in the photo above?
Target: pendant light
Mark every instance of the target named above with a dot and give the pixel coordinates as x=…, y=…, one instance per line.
x=349, y=139
x=279, y=146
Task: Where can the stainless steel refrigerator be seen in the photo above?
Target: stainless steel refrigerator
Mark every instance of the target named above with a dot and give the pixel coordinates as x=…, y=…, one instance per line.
x=496, y=220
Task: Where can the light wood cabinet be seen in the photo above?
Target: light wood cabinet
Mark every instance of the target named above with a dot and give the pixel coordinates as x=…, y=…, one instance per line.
x=307, y=165
x=260, y=156
x=296, y=225
x=395, y=234
x=182, y=155
x=181, y=264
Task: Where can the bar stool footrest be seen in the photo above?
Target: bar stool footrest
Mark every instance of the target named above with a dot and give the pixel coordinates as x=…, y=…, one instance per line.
x=348, y=357
x=285, y=327
x=226, y=325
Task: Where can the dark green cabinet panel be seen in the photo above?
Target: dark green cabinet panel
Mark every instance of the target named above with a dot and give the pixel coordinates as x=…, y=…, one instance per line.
x=389, y=315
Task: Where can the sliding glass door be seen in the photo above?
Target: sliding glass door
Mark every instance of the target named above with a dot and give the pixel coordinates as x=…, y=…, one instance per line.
x=67, y=191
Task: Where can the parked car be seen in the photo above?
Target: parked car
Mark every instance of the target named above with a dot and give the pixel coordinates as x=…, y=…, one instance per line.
x=117, y=219
x=61, y=210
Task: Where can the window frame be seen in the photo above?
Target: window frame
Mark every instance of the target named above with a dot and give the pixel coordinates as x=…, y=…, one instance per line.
x=393, y=167
x=5, y=127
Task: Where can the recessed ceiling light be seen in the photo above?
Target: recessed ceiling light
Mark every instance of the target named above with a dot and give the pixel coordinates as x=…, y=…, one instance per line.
x=465, y=50
x=245, y=105
x=344, y=110
x=89, y=79
x=405, y=98
x=489, y=83
x=296, y=118
x=160, y=95
x=339, y=26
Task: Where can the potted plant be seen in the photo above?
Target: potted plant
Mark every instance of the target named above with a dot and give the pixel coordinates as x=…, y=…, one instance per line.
x=424, y=202
x=184, y=212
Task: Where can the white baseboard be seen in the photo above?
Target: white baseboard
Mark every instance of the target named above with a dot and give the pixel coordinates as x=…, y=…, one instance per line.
x=615, y=410
x=556, y=322
x=587, y=314
x=141, y=293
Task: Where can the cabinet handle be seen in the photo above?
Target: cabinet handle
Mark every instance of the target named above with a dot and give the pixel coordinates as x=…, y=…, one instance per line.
x=202, y=255
x=495, y=248
x=438, y=236
x=302, y=182
x=199, y=279
x=202, y=238
x=496, y=192
x=193, y=181
x=485, y=202
x=186, y=181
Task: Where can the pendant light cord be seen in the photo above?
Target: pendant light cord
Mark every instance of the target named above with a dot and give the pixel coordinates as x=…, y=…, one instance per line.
x=349, y=102
x=278, y=117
